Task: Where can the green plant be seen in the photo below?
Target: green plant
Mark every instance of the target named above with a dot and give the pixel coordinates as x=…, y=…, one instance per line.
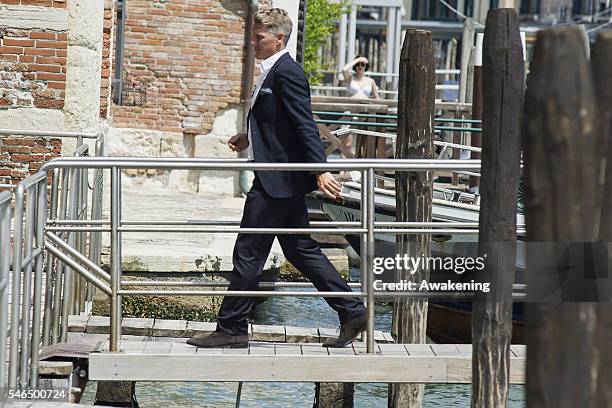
x=321, y=18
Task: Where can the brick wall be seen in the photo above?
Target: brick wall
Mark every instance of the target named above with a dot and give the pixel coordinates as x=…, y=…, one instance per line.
x=187, y=56
x=43, y=3
x=21, y=156
x=32, y=68
x=32, y=75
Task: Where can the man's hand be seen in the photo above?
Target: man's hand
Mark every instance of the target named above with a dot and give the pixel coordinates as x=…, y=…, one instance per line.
x=329, y=186
x=238, y=142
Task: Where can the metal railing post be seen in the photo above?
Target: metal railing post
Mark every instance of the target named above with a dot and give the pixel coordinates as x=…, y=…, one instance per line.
x=50, y=273
x=28, y=242
x=41, y=219
x=5, y=239
x=370, y=259
x=115, y=239
x=365, y=286
x=69, y=278
x=16, y=287
x=59, y=268
x=95, y=238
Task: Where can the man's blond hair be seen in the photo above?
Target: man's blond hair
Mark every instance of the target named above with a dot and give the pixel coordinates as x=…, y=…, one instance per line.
x=276, y=20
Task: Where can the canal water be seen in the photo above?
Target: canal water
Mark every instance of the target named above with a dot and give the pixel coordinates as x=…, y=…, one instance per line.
x=306, y=312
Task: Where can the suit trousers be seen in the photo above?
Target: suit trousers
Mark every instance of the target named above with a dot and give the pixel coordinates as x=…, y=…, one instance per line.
x=252, y=250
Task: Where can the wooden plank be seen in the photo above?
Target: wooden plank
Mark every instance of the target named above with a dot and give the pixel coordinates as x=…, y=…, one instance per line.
x=314, y=349
x=98, y=325
x=130, y=337
x=308, y=368
x=458, y=369
x=284, y=349
x=137, y=326
x=341, y=351
x=378, y=336
x=268, y=333
x=77, y=323
x=465, y=349
x=182, y=348
x=388, y=337
x=85, y=338
x=194, y=328
x=261, y=349
x=169, y=328
x=209, y=351
x=419, y=350
x=359, y=347
x=519, y=350
x=157, y=347
x=445, y=350
x=132, y=346
x=393, y=349
x=235, y=351
x=294, y=334
x=327, y=333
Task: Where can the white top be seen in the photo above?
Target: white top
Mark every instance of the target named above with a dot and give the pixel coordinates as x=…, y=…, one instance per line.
x=357, y=91
x=265, y=67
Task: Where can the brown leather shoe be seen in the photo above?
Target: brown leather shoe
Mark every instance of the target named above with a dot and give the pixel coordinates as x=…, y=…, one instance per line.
x=348, y=332
x=218, y=339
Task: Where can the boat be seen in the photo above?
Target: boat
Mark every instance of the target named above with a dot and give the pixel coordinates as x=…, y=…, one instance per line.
x=449, y=321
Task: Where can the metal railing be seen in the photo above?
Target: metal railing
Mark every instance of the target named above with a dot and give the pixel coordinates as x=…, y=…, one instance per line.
x=112, y=283
x=69, y=259
x=23, y=214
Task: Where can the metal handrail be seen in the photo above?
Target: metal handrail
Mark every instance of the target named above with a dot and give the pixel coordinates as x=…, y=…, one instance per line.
x=23, y=216
x=65, y=252
x=118, y=226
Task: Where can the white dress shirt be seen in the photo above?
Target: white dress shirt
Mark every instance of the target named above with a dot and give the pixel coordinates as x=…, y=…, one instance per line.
x=264, y=68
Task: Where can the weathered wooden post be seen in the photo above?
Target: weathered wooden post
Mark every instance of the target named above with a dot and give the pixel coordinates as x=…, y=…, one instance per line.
x=334, y=395
x=475, y=137
x=413, y=191
x=467, y=44
x=561, y=168
x=601, y=63
x=502, y=80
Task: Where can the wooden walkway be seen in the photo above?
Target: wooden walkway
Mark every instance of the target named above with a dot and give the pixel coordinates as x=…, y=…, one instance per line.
x=183, y=328
x=297, y=362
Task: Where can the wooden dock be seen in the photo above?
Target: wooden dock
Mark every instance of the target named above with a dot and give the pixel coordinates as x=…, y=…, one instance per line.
x=292, y=362
x=182, y=328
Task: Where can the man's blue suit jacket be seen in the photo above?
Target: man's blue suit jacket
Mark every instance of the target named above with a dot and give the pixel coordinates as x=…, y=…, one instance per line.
x=283, y=130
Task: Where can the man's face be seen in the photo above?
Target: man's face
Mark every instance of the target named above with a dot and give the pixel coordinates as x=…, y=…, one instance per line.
x=265, y=43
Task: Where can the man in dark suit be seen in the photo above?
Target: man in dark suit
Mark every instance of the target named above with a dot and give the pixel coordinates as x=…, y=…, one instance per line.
x=281, y=129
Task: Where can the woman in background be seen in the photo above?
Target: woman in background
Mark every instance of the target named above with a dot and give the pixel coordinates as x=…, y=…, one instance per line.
x=359, y=85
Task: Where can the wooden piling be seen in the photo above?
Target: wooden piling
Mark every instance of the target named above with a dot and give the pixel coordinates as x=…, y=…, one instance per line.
x=334, y=395
x=413, y=191
x=502, y=80
x=561, y=169
x=601, y=63
x=475, y=137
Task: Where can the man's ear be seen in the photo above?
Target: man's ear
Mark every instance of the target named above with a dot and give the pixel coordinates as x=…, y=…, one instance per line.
x=280, y=37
